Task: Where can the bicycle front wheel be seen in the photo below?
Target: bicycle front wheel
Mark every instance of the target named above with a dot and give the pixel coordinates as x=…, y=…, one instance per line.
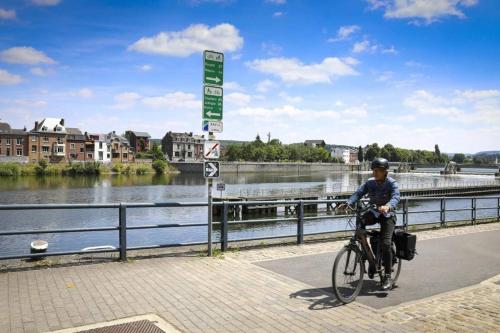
x=347, y=274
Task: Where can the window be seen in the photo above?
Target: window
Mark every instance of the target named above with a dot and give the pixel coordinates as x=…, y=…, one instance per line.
x=19, y=152
x=176, y=154
x=45, y=139
x=101, y=156
x=108, y=155
x=58, y=129
x=89, y=155
x=100, y=145
x=81, y=149
x=189, y=146
x=33, y=148
x=45, y=149
x=81, y=145
x=19, y=141
x=8, y=151
x=60, y=139
x=0, y=150
x=125, y=155
x=73, y=156
x=60, y=149
x=8, y=141
x=44, y=128
x=190, y=154
x=33, y=138
x=178, y=146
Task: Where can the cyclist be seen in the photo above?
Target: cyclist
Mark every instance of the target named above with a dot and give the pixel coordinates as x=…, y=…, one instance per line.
x=383, y=192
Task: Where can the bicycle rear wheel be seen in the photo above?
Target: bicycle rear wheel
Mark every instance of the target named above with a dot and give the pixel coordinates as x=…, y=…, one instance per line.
x=347, y=274
x=396, y=267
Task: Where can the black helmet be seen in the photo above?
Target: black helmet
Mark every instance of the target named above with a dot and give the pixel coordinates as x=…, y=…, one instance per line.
x=380, y=163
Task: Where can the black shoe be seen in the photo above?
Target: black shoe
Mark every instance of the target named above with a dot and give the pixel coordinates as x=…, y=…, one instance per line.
x=387, y=283
x=371, y=271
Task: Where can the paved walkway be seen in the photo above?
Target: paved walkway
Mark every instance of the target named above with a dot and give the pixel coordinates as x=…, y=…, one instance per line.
x=229, y=294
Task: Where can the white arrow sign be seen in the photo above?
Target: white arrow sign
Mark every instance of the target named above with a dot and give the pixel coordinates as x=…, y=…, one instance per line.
x=215, y=79
x=211, y=169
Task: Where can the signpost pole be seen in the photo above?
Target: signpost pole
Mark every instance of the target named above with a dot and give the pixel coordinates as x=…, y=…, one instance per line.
x=210, y=217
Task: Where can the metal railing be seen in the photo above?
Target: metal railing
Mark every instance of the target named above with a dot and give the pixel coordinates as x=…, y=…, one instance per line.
x=299, y=218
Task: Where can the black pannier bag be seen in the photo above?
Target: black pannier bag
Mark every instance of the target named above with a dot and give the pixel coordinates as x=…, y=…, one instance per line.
x=405, y=245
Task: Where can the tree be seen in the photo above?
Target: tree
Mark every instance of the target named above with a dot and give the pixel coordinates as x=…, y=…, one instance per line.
x=372, y=152
x=437, y=152
x=459, y=158
x=360, y=154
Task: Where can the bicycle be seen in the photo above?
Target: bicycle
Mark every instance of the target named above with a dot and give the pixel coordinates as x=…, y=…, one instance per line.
x=349, y=266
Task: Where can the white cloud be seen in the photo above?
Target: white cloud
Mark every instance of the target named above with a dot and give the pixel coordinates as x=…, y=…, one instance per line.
x=271, y=48
x=265, y=85
x=126, y=100
x=479, y=94
x=356, y=111
x=290, y=99
x=146, y=68
x=237, y=98
x=276, y=2
x=286, y=111
x=427, y=11
x=31, y=103
x=84, y=93
x=7, y=78
x=278, y=14
x=345, y=32
x=232, y=85
x=367, y=45
x=385, y=76
x=428, y=104
x=412, y=63
x=46, y=2
x=7, y=14
x=390, y=50
x=25, y=55
x=292, y=70
x=194, y=39
x=38, y=71
x=173, y=101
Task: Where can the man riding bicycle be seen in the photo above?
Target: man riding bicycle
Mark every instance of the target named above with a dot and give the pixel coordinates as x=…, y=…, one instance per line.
x=383, y=192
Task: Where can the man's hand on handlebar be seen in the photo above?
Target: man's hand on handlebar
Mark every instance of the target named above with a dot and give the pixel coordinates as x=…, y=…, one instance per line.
x=384, y=209
x=344, y=206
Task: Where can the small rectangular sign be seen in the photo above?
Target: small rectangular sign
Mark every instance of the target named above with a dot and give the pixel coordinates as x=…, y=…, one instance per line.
x=221, y=187
x=213, y=68
x=212, y=126
x=211, y=169
x=212, y=103
x=211, y=149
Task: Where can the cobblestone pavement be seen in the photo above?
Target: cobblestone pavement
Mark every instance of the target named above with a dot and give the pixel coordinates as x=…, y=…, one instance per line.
x=229, y=294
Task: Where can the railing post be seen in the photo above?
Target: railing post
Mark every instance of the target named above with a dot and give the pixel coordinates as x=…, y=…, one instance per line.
x=300, y=223
x=224, y=227
x=123, y=231
x=498, y=209
x=443, y=212
x=405, y=214
x=473, y=212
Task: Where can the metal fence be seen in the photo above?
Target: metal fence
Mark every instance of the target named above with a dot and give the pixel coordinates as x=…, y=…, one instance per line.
x=299, y=218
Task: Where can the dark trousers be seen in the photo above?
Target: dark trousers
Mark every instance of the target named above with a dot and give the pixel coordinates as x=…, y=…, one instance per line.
x=387, y=226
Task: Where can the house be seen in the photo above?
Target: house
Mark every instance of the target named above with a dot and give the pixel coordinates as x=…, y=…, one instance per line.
x=346, y=153
x=98, y=147
x=75, y=145
x=183, y=146
x=139, y=141
x=47, y=141
x=121, y=151
x=13, y=143
x=315, y=143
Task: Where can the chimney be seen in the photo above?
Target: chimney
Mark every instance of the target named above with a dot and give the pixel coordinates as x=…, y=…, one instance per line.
x=62, y=121
x=190, y=133
x=24, y=129
x=36, y=125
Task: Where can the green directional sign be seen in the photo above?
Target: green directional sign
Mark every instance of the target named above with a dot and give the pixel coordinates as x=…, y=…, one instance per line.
x=213, y=68
x=212, y=103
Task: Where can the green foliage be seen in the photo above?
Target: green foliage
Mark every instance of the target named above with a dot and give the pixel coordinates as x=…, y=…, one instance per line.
x=41, y=168
x=86, y=168
x=9, y=169
x=459, y=158
x=360, y=154
x=159, y=166
x=395, y=154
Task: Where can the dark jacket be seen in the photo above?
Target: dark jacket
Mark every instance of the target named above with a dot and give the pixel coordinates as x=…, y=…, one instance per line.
x=380, y=194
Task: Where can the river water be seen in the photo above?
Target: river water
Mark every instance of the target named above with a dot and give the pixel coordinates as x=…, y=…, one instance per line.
x=187, y=188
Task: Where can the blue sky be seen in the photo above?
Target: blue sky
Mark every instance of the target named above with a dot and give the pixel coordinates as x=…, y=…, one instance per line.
x=408, y=72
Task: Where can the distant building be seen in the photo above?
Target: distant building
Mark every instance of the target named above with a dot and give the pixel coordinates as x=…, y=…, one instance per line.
x=139, y=141
x=47, y=141
x=75, y=145
x=13, y=143
x=183, y=146
x=98, y=147
x=120, y=148
x=347, y=154
x=315, y=143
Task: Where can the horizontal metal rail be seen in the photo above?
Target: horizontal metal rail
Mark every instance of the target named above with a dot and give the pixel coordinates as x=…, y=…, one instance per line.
x=299, y=218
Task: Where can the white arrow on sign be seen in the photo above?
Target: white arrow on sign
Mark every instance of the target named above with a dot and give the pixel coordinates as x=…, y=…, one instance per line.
x=216, y=79
x=210, y=113
x=213, y=170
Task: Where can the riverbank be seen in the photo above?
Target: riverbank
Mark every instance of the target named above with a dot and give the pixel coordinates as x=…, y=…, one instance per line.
x=13, y=169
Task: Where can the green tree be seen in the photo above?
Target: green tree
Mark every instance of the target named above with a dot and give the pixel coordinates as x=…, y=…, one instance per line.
x=360, y=154
x=459, y=158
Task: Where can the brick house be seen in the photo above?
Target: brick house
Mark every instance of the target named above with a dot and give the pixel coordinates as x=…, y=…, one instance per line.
x=183, y=146
x=13, y=143
x=139, y=141
x=120, y=148
x=75, y=145
x=47, y=140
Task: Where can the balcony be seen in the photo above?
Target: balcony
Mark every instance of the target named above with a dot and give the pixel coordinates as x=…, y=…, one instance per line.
x=58, y=149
